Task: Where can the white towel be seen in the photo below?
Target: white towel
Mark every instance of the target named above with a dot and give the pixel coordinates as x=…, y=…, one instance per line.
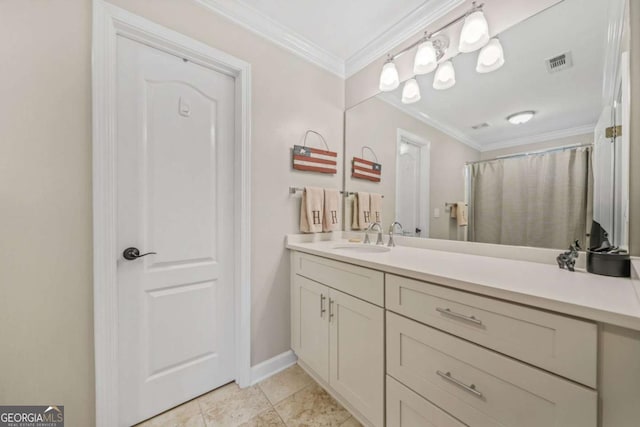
x=461, y=213
x=361, y=211
x=311, y=210
x=376, y=208
x=331, y=220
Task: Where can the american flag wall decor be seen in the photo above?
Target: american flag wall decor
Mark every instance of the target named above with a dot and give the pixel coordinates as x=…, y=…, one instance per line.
x=366, y=169
x=314, y=159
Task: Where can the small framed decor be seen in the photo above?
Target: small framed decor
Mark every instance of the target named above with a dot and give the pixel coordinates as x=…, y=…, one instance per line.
x=314, y=159
x=366, y=169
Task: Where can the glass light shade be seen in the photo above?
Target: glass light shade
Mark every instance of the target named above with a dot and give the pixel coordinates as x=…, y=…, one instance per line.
x=410, y=92
x=491, y=57
x=445, y=76
x=389, y=79
x=426, y=58
x=475, y=32
x=521, y=117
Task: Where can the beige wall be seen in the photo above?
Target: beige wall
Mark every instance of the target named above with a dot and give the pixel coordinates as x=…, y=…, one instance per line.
x=634, y=170
x=538, y=146
x=46, y=300
x=375, y=123
x=46, y=323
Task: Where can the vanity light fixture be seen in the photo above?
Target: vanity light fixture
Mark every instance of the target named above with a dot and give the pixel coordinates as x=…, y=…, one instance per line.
x=445, y=76
x=491, y=57
x=426, y=59
x=411, y=91
x=432, y=47
x=389, y=79
x=521, y=117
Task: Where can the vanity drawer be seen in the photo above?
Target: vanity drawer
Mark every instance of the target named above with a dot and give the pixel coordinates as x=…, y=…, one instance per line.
x=405, y=408
x=360, y=282
x=482, y=388
x=559, y=344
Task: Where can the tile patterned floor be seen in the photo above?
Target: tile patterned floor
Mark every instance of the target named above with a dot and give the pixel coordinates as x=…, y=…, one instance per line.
x=290, y=398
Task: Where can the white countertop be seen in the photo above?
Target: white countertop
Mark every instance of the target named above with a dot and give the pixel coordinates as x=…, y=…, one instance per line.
x=604, y=299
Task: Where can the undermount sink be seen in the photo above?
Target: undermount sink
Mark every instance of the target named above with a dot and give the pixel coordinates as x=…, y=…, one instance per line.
x=362, y=248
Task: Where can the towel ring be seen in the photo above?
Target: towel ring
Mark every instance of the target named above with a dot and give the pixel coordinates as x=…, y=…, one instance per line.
x=371, y=150
x=304, y=143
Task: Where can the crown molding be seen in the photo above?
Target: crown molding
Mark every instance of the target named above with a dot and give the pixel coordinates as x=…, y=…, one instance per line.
x=541, y=137
x=428, y=120
x=265, y=27
x=277, y=33
x=409, y=26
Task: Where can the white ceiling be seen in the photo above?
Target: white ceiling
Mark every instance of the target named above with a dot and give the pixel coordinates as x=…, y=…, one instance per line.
x=564, y=101
x=339, y=26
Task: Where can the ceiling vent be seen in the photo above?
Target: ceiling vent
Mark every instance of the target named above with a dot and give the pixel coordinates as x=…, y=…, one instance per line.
x=559, y=63
x=480, y=126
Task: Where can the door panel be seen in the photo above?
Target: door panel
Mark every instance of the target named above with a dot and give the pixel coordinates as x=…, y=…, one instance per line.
x=310, y=316
x=180, y=163
x=194, y=301
x=356, y=343
x=175, y=198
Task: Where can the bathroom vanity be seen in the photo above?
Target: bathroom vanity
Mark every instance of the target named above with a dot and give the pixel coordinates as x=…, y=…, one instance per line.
x=421, y=337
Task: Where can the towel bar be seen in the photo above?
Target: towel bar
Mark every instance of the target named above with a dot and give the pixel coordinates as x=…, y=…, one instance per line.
x=294, y=190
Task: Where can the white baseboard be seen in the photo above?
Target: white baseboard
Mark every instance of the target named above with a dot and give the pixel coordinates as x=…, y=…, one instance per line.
x=272, y=366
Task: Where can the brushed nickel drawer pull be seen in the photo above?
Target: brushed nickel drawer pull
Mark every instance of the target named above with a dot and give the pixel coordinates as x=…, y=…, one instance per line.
x=331, y=308
x=322, y=309
x=448, y=312
x=470, y=388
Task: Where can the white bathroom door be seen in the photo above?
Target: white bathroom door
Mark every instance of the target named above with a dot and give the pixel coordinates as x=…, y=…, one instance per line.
x=412, y=184
x=175, y=157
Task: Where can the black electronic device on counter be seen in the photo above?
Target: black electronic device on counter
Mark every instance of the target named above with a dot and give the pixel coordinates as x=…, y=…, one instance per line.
x=605, y=259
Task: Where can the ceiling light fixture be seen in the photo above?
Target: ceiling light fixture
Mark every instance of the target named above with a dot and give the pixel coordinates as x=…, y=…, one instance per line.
x=411, y=91
x=445, y=76
x=521, y=117
x=432, y=48
x=491, y=57
x=389, y=79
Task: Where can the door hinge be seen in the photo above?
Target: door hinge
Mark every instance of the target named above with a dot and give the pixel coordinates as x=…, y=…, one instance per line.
x=613, y=131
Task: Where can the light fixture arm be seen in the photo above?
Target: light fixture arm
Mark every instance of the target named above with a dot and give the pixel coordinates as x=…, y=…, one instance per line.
x=429, y=35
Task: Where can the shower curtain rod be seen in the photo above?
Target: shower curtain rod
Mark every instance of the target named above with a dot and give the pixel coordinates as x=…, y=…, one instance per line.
x=532, y=153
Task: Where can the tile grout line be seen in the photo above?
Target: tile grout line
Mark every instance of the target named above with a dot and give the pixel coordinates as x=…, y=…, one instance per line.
x=291, y=395
x=272, y=405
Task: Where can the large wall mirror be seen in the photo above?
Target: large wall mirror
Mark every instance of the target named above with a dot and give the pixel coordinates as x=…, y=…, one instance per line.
x=463, y=164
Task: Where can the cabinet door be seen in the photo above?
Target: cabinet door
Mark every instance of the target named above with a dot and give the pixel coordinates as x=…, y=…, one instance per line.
x=310, y=331
x=356, y=344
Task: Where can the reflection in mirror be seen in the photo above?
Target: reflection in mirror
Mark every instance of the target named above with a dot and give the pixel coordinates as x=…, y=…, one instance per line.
x=463, y=164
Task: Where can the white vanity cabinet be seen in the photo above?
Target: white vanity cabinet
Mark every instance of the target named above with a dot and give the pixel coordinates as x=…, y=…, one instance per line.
x=411, y=352
x=337, y=329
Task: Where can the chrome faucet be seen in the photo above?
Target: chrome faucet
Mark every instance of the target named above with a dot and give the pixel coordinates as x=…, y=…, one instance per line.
x=370, y=228
x=391, y=230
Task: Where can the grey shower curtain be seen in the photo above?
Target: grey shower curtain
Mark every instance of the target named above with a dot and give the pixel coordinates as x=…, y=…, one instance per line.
x=541, y=200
